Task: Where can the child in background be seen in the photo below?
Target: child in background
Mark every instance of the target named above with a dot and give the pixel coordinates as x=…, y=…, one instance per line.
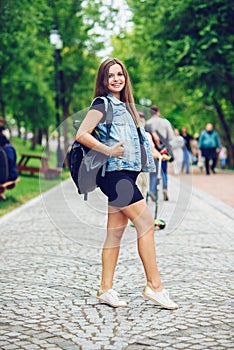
x=223, y=157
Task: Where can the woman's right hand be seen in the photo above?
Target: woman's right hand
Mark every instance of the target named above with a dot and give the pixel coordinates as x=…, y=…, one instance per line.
x=117, y=150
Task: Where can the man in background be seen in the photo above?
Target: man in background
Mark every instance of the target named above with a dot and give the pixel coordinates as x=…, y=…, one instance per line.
x=143, y=178
x=161, y=125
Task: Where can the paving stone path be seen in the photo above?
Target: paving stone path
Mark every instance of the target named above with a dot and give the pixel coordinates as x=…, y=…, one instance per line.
x=50, y=270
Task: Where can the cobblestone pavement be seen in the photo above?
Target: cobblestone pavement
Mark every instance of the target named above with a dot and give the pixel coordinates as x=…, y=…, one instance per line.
x=50, y=270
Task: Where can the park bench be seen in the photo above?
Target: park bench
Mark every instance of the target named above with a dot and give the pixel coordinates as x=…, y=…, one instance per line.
x=8, y=185
x=49, y=173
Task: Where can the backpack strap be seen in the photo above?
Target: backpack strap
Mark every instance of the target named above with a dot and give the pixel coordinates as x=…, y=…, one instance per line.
x=109, y=118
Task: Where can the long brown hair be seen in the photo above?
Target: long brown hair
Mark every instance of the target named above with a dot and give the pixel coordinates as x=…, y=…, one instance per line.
x=126, y=94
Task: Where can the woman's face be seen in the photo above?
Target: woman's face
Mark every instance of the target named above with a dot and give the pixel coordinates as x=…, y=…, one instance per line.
x=116, y=80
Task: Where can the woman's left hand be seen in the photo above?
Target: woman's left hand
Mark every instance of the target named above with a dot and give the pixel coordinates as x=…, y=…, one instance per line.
x=117, y=150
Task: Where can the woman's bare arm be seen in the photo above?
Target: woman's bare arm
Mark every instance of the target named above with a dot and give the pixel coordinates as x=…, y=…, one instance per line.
x=84, y=135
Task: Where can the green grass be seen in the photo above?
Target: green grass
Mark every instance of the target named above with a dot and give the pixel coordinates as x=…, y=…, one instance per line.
x=29, y=186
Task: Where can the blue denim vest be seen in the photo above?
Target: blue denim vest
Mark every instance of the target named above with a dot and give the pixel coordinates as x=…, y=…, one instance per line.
x=123, y=128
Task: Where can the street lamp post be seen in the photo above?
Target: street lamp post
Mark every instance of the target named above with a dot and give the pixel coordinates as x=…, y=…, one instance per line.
x=55, y=40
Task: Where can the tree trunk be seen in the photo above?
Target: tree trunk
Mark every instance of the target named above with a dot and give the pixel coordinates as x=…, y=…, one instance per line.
x=65, y=134
x=47, y=146
x=34, y=140
x=2, y=102
x=39, y=137
x=65, y=111
x=227, y=131
x=18, y=125
x=2, y=108
x=229, y=79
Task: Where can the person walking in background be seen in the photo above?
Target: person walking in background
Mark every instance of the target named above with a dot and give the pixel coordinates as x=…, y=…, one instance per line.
x=210, y=145
x=143, y=177
x=223, y=157
x=194, y=149
x=197, y=159
x=129, y=153
x=186, y=150
x=158, y=124
x=177, y=145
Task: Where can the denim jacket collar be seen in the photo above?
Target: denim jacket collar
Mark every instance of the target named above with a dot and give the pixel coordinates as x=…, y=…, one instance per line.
x=115, y=100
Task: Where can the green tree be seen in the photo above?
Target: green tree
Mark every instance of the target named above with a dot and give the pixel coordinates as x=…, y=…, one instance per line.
x=76, y=21
x=189, y=44
x=27, y=58
x=23, y=89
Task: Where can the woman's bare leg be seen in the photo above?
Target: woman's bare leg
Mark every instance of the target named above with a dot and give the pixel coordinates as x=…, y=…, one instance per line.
x=117, y=221
x=140, y=215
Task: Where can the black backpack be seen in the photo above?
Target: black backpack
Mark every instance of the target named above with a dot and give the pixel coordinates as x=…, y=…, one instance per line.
x=86, y=165
x=4, y=167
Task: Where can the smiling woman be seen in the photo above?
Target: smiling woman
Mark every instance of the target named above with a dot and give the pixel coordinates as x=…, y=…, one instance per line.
x=125, y=201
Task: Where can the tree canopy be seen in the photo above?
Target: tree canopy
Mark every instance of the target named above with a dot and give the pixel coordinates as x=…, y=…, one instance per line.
x=184, y=60
x=179, y=55
x=27, y=58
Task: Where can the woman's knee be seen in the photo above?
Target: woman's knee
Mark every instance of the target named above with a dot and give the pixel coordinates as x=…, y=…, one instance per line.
x=113, y=237
x=117, y=223
x=144, y=224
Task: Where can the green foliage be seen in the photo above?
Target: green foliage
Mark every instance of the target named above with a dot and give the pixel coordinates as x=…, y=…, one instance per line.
x=27, y=58
x=24, y=92
x=187, y=61
x=179, y=55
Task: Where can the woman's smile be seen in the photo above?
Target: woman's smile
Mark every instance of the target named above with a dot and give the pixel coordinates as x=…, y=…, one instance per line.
x=116, y=80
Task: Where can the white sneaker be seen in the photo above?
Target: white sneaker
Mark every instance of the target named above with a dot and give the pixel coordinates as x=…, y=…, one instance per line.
x=161, y=298
x=111, y=298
